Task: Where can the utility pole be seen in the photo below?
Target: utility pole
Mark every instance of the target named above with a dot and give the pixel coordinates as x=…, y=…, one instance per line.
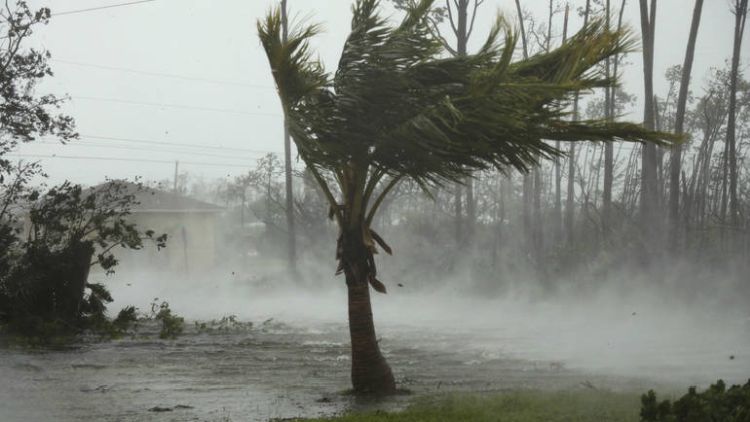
x=290, y=226
x=176, y=172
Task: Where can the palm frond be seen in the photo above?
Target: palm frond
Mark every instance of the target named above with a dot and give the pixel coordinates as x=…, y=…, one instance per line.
x=296, y=74
x=400, y=105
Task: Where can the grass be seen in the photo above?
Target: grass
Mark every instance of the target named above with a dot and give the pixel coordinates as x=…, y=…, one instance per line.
x=521, y=406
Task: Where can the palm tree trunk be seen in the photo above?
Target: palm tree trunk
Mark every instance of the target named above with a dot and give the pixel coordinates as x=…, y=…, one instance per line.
x=370, y=372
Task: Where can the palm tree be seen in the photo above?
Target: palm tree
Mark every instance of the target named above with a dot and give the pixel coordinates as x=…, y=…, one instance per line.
x=399, y=107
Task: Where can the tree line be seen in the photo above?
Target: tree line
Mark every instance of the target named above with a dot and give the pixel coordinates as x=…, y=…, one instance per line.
x=642, y=202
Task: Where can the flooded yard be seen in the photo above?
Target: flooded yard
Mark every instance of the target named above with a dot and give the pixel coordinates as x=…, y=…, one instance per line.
x=294, y=361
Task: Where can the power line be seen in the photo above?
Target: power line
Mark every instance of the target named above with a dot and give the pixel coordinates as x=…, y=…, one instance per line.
x=159, y=74
x=91, y=9
x=138, y=160
x=177, y=106
x=135, y=148
x=144, y=141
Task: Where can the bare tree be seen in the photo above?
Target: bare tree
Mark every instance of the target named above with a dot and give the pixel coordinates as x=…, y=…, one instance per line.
x=649, y=194
x=676, y=159
x=462, y=26
x=739, y=10
x=608, y=151
x=570, y=201
x=528, y=181
x=461, y=15
x=610, y=101
x=557, y=218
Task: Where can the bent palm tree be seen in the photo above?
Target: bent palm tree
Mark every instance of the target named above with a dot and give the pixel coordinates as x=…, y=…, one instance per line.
x=399, y=108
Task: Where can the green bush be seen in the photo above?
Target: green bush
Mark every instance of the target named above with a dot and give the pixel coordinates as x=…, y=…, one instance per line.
x=717, y=403
x=171, y=324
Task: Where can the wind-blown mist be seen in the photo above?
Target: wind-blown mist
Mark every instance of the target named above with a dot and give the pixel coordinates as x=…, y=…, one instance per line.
x=619, y=327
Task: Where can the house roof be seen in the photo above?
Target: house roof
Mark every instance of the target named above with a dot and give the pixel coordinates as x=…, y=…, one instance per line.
x=156, y=200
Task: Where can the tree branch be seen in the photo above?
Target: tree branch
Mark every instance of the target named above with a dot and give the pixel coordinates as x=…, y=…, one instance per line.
x=436, y=32
x=477, y=3
x=450, y=17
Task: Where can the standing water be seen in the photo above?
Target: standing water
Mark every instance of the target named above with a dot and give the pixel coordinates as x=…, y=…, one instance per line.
x=294, y=360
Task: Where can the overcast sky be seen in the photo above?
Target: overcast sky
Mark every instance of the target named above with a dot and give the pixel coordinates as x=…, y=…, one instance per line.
x=150, y=81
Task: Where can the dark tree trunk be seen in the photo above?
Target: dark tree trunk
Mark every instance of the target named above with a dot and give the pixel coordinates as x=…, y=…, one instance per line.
x=740, y=12
x=462, y=39
x=73, y=280
x=370, y=372
x=608, y=149
x=458, y=220
x=471, y=212
x=460, y=33
x=524, y=42
x=557, y=218
x=570, y=200
x=649, y=198
x=526, y=193
x=537, y=227
x=676, y=160
x=528, y=180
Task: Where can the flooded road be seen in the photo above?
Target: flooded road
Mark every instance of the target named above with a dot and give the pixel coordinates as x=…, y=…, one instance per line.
x=294, y=361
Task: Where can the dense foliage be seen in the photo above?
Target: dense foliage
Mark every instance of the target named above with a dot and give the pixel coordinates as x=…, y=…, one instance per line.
x=44, y=286
x=25, y=116
x=717, y=403
x=49, y=240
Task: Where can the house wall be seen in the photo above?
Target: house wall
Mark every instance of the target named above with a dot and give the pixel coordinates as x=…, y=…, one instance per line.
x=191, y=243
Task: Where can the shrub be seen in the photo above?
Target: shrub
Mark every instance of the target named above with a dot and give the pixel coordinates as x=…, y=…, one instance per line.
x=127, y=317
x=171, y=324
x=226, y=324
x=44, y=288
x=717, y=403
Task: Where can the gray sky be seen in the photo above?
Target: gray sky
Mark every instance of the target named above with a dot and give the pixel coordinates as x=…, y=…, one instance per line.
x=192, y=72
